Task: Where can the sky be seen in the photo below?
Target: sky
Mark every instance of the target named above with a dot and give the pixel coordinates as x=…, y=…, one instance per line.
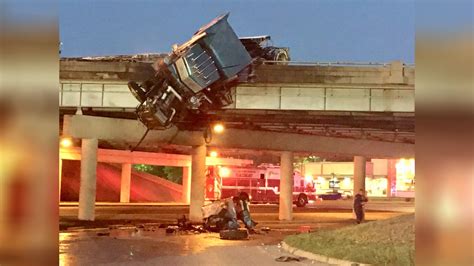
x=314, y=30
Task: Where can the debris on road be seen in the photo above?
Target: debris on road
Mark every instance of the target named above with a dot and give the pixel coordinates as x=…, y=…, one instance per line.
x=171, y=229
x=183, y=225
x=289, y=258
x=223, y=217
x=234, y=234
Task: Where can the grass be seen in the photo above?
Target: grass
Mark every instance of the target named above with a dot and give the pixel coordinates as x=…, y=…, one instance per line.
x=383, y=242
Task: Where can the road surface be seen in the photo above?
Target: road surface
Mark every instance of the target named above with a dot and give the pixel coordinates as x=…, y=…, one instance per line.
x=131, y=235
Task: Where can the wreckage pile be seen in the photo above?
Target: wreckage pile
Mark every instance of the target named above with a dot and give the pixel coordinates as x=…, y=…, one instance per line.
x=220, y=216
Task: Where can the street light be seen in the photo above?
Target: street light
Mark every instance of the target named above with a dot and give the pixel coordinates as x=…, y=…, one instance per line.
x=218, y=128
x=224, y=172
x=66, y=142
x=214, y=154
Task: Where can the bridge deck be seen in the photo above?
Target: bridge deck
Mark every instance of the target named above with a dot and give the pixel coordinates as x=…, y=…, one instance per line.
x=385, y=88
x=354, y=101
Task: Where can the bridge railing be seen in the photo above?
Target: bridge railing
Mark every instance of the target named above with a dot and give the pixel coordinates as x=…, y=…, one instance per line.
x=312, y=63
x=258, y=96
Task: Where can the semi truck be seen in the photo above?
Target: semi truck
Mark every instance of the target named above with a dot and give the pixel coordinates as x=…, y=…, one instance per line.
x=199, y=74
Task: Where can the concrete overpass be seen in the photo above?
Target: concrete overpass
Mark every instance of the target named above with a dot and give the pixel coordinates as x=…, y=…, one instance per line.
x=352, y=110
x=371, y=101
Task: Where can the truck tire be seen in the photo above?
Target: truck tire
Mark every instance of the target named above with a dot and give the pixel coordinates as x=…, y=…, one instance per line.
x=236, y=234
x=282, y=55
x=302, y=200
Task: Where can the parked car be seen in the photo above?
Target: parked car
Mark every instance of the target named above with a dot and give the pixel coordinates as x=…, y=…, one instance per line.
x=330, y=196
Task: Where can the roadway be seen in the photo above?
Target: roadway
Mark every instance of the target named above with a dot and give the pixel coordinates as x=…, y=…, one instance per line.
x=131, y=234
x=319, y=213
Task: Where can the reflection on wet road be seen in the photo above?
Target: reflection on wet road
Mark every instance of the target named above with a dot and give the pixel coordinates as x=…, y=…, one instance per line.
x=131, y=235
x=153, y=247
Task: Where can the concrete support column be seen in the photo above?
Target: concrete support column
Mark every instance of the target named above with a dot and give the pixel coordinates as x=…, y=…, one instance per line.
x=125, y=183
x=286, y=186
x=359, y=173
x=88, y=179
x=60, y=175
x=198, y=182
x=185, y=195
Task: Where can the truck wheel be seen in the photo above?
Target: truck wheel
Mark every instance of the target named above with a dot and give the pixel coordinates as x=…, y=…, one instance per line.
x=236, y=234
x=302, y=200
x=282, y=55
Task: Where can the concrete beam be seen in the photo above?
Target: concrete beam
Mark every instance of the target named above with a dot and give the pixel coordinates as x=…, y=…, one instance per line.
x=330, y=74
x=137, y=157
x=120, y=156
x=130, y=131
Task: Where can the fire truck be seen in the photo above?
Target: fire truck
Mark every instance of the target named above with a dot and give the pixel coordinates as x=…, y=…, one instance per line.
x=262, y=184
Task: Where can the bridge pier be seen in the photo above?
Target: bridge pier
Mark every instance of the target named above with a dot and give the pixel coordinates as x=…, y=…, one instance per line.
x=125, y=181
x=185, y=195
x=359, y=174
x=198, y=182
x=60, y=175
x=88, y=179
x=286, y=186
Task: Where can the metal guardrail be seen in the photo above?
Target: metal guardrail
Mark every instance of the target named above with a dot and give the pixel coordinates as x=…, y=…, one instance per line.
x=306, y=63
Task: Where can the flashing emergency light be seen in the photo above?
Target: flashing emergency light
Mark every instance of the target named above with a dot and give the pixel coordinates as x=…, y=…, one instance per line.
x=66, y=142
x=308, y=178
x=224, y=172
x=218, y=128
x=213, y=154
x=405, y=167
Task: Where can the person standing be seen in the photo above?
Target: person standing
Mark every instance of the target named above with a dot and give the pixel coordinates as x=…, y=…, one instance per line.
x=359, y=201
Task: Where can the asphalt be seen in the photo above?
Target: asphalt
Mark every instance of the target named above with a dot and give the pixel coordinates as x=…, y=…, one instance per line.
x=134, y=235
x=152, y=246
x=330, y=212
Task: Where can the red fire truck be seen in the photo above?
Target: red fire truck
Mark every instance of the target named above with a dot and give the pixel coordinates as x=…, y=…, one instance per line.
x=262, y=184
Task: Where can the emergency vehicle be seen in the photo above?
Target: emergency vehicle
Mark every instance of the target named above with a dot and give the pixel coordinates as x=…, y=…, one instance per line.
x=262, y=184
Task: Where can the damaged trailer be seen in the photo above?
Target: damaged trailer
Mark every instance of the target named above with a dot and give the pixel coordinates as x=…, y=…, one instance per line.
x=198, y=75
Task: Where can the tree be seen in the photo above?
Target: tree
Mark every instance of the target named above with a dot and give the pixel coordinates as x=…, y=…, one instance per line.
x=171, y=173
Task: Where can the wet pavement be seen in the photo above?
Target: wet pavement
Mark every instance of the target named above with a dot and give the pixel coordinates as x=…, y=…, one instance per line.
x=131, y=235
x=322, y=212
x=150, y=245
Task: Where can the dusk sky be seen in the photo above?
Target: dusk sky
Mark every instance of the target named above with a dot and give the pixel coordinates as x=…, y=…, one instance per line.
x=324, y=31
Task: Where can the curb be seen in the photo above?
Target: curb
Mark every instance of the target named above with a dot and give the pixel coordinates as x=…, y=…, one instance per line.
x=317, y=257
